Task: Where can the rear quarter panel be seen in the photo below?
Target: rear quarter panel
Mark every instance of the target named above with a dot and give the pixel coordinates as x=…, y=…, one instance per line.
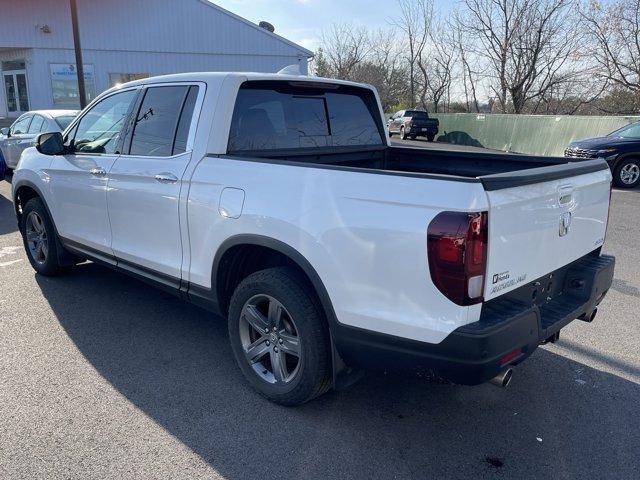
x=363, y=233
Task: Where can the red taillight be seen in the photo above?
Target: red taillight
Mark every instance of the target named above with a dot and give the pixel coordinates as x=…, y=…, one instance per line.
x=457, y=253
x=606, y=227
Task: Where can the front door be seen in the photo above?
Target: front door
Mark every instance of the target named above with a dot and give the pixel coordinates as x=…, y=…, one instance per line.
x=78, y=180
x=145, y=183
x=15, y=89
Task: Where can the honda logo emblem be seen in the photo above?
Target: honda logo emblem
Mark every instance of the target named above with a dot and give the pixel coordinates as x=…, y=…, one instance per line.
x=565, y=223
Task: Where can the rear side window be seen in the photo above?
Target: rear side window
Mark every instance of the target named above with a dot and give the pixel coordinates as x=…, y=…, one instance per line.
x=36, y=124
x=182, y=134
x=158, y=129
x=283, y=115
x=64, y=121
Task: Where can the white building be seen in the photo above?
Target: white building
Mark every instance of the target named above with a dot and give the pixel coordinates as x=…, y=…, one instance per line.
x=123, y=40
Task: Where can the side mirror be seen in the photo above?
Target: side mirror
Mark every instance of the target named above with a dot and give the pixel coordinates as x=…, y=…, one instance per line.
x=5, y=131
x=50, y=143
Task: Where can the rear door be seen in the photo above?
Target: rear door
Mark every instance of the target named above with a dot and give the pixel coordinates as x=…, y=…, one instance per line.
x=145, y=183
x=537, y=228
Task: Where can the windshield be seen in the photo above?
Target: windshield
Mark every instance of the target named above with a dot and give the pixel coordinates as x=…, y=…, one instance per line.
x=416, y=114
x=630, y=131
x=64, y=121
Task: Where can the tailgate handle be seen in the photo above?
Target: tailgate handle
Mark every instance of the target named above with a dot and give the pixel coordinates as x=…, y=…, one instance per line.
x=565, y=194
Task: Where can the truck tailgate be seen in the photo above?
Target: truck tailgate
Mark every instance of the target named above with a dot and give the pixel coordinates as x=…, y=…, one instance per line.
x=535, y=228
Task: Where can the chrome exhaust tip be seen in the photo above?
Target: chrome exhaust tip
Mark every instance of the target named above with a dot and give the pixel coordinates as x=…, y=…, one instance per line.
x=503, y=378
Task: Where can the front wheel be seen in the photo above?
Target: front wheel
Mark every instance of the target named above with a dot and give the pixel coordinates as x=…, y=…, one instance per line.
x=403, y=136
x=39, y=238
x=431, y=136
x=627, y=173
x=280, y=337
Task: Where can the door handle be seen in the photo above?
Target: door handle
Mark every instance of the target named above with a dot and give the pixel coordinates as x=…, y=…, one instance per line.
x=98, y=172
x=166, y=178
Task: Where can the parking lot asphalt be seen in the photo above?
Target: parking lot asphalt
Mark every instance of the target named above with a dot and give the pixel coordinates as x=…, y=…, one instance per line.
x=102, y=376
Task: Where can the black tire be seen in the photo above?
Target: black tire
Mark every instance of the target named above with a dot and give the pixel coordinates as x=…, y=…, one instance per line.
x=48, y=264
x=312, y=376
x=403, y=136
x=412, y=137
x=431, y=137
x=625, y=174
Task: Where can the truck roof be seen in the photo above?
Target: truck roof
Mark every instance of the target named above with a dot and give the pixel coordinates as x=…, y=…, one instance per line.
x=218, y=76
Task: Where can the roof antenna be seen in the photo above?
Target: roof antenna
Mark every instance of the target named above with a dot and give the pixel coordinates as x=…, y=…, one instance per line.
x=291, y=70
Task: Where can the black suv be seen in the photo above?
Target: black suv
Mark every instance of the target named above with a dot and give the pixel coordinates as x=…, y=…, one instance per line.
x=412, y=124
x=621, y=150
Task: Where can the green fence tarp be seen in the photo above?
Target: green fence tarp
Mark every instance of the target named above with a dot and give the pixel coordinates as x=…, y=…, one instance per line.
x=533, y=134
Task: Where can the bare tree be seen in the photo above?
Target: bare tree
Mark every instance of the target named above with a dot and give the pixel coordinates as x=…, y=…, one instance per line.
x=526, y=44
x=415, y=23
x=344, y=47
x=436, y=65
x=615, y=34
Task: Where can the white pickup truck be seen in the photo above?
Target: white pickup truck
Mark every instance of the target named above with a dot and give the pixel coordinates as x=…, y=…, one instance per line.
x=278, y=202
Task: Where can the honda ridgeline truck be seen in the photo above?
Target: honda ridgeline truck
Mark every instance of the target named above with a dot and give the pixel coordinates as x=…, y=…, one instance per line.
x=278, y=202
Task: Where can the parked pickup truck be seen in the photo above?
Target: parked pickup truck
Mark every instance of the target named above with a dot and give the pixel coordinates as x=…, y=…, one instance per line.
x=412, y=124
x=277, y=201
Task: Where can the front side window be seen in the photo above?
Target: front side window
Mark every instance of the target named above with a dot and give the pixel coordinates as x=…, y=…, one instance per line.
x=36, y=124
x=21, y=125
x=156, y=122
x=98, y=131
x=290, y=115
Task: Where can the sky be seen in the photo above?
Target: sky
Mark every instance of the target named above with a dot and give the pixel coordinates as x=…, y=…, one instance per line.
x=302, y=21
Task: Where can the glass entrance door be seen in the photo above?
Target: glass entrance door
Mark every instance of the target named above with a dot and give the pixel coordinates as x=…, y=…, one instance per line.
x=15, y=88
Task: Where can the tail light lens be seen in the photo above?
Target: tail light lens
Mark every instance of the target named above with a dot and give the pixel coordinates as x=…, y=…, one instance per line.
x=457, y=253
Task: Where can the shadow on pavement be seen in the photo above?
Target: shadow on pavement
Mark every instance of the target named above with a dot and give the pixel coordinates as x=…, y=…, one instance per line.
x=558, y=418
x=459, y=138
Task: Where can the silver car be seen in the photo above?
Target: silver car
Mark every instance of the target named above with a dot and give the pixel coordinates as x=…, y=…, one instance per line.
x=23, y=132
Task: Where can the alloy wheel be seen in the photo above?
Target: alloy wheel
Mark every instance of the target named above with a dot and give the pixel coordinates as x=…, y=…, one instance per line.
x=37, y=240
x=270, y=340
x=630, y=173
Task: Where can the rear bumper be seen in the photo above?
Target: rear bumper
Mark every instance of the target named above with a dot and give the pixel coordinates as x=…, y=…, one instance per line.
x=423, y=130
x=475, y=353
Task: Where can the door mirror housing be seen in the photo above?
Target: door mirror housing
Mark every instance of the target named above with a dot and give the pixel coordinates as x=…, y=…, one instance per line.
x=6, y=131
x=50, y=143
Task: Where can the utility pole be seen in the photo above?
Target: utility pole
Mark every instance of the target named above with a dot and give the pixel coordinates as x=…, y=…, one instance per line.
x=76, y=45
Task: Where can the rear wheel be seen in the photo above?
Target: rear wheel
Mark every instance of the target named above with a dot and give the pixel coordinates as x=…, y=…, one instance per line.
x=279, y=337
x=627, y=173
x=431, y=136
x=39, y=237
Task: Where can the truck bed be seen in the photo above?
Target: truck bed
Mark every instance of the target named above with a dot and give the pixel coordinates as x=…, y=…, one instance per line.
x=494, y=170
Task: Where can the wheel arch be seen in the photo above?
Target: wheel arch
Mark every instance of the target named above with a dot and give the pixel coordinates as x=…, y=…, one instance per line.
x=231, y=250
x=22, y=193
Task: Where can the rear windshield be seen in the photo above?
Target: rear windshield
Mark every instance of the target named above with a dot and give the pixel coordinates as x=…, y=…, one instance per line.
x=294, y=115
x=418, y=115
x=64, y=121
